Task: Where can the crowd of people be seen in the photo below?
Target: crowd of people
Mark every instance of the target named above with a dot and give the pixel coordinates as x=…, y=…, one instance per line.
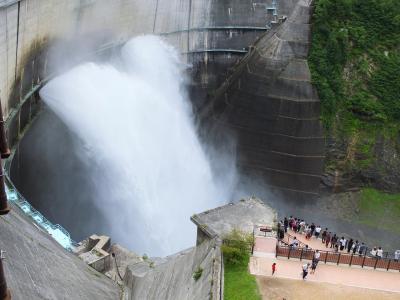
x=328, y=238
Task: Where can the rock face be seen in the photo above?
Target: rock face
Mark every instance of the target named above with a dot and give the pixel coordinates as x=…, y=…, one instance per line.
x=273, y=110
x=354, y=161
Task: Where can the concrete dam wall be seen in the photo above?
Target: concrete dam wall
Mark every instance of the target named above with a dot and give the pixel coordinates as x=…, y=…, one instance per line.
x=271, y=105
x=205, y=31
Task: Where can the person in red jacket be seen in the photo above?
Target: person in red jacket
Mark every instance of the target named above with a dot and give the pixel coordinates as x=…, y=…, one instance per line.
x=273, y=268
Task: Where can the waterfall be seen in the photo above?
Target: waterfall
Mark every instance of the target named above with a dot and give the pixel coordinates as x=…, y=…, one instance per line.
x=137, y=135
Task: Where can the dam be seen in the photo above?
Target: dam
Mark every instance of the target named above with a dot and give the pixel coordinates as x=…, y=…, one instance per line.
x=211, y=38
x=251, y=113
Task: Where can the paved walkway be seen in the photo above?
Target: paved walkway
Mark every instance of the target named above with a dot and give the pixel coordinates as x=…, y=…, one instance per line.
x=349, y=276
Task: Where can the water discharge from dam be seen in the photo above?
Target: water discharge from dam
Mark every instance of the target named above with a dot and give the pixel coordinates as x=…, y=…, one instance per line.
x=137, y=137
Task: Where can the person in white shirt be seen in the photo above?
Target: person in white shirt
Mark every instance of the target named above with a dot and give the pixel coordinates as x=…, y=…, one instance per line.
x=374, y=252
x=317, y=231
x=342, y=243
x=379, y=252
x=302, y=226
x=396, y=255
x=317, y=255
x=294, y=243
x=305, y=270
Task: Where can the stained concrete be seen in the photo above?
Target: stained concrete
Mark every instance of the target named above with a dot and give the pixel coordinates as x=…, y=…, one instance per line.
x=171, y=278
x=36, y=267
x=242, y=215
x=270, y=106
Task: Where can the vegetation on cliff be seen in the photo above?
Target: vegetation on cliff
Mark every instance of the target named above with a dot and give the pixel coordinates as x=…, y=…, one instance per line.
x=355, y=65
x=355, y=59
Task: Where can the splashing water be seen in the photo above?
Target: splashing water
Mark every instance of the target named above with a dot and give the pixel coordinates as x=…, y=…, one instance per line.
x=148, y=166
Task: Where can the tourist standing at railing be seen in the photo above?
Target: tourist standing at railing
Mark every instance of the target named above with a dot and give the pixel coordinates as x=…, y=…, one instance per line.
x=286, y=224
x=302, y=226
x=281, y=230
x=312, y=229
x=373, y=252
x=317, y=231
x=298, y=225
x=350, y=245
x=334, y=240
x=396, y=255
x=362, y=249
x=355, y=247
x=317, y=255
x=323, y=236
x=308, y=232
x=295, y=243
x=327, y=239
x=294, y=225
x=379, y=252
x=337, y=245
x=291, y=221
x=342, y=243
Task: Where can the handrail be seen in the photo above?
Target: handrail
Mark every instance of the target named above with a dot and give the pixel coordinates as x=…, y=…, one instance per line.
x=244, y=28
x=301, y=244
x=350, y=259
x=59, y=233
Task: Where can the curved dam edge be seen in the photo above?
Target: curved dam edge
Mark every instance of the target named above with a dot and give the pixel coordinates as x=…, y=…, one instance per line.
x=171, y=278
x=37, y=267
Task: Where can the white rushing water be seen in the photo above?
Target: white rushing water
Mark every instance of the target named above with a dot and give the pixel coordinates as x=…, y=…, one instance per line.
x=137, y=128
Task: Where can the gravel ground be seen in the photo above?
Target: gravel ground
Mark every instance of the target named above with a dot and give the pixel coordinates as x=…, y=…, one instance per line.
x=279, y=289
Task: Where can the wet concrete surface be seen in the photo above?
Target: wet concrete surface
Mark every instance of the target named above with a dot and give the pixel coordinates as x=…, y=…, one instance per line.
x=48, y=171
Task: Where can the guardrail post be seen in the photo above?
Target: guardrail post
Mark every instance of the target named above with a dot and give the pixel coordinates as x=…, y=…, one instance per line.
x=276, y=250
x=4, y=291
x=288, y=256
x=338, y=259
x=5, y=151
x=4, y=207
x=362, y=266
x=326, y=256
x=301, y=254
x=388, y=265
x=376, y=262
x=254, y=241
x=351, y=259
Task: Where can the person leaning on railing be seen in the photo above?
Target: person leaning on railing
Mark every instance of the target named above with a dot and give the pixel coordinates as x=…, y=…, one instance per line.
x=396, y=255
x=361, y=249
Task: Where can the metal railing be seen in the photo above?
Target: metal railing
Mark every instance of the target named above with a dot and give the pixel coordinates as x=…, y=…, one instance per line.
x=59, y=233
x=366, y=251
x=350, y=259
x=288, y=240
